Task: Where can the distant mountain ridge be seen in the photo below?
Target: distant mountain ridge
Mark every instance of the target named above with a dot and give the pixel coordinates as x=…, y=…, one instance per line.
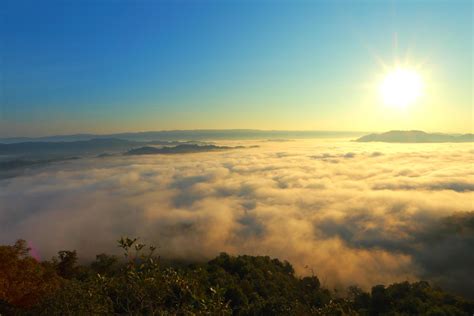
x=63, y=146
x=20, y=156
x=88, y=147
x=179, y=149
x=415, y=136
x=180, y=135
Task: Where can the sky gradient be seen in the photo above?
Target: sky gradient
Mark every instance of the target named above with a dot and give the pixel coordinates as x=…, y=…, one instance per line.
x=110, y=66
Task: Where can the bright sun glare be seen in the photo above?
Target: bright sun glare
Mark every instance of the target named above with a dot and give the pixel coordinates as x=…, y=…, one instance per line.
x=401, y=87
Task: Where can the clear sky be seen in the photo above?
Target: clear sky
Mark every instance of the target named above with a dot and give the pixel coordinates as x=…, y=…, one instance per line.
x=107, y=66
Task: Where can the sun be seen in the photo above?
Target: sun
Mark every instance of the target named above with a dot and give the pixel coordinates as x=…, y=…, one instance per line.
x=401, y=87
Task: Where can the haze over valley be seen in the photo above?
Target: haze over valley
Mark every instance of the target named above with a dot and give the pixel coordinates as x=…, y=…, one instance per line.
x=357, y=213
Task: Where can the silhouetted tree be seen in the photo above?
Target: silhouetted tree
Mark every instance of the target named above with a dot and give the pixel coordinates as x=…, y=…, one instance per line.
x=67, y=264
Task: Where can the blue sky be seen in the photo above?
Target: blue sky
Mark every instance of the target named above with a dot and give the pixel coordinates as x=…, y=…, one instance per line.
x=106, y=66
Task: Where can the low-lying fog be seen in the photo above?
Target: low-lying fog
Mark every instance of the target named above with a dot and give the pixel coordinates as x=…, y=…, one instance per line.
x=354, y=213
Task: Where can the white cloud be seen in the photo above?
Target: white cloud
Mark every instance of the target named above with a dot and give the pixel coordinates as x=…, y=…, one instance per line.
x=354, y=212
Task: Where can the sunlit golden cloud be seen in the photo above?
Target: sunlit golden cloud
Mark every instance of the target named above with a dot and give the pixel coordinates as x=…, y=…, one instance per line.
x=360, y=213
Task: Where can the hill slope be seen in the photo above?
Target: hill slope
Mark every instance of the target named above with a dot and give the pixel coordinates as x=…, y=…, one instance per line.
x=416, y=137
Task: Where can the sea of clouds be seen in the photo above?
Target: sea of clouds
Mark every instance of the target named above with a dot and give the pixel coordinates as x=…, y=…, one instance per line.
x=352, y=213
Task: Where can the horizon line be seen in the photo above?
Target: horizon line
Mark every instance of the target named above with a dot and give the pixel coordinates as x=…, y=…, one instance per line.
x=222, y=130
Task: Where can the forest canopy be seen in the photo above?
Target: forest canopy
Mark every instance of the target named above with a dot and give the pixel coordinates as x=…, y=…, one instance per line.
x=140, y=284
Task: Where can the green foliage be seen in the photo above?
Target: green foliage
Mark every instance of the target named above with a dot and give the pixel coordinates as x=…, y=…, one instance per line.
x=88, y=297
x=241, y=285
x=261, y=285
x=139, y=287
x=406, y=298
